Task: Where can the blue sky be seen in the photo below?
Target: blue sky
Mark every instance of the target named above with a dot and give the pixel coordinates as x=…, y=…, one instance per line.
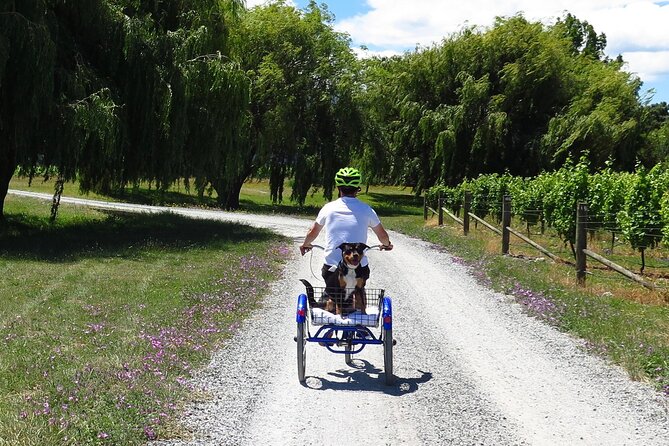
x=637, y=29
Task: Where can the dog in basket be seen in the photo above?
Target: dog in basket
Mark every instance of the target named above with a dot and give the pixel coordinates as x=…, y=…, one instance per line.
x=345, y=288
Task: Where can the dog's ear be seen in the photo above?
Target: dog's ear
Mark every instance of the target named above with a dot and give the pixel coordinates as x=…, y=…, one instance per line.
x=361, y=247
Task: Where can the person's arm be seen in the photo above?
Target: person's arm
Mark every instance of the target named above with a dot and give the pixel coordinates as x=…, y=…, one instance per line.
x=310, y=237
x=383, y=236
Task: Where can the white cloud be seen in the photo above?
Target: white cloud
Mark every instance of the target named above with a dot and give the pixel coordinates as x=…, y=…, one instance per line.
x=251, y=3
x=365, y=54
x=636, y=28
x=648, y=65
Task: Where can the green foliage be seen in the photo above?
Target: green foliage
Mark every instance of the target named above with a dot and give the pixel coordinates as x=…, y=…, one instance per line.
x=606, y=197
x=603, y=119
x=208, y=92
x=139, y=91
x=98, y=129
x=452, y=197
x=635, y=204
x=518, y=97
x=664, y=214
x=528, y=198
x=27, y=59
x=583, y=37
x=657, y=147
x=640, y=218
x=305, y=121
x=568, y=187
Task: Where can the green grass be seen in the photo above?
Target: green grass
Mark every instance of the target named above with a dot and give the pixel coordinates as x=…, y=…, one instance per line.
x=104, y=315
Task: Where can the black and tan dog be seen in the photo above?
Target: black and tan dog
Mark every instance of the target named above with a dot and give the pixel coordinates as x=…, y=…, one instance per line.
x=346, y=286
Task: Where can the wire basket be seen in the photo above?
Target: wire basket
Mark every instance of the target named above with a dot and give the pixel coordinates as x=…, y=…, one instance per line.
x=329, y=305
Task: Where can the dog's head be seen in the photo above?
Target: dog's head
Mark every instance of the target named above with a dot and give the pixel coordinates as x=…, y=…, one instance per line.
x=352, y=253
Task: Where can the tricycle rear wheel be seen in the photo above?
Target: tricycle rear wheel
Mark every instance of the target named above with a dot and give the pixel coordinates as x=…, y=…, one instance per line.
x=388, y=355
x=301, y=351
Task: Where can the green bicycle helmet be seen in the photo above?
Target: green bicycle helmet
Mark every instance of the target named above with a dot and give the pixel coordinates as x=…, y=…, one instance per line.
x=348, y=177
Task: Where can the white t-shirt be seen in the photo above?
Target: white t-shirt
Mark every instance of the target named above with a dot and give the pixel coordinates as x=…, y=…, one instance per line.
x=346, y=221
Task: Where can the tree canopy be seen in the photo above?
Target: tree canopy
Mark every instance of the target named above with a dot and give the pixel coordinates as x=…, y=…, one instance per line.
x=114, y=92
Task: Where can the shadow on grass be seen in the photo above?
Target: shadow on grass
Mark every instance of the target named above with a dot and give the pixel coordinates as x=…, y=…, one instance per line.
x=117, y=234
x=395, y=205
x=385, y=204
x=286, y=209
x=172, y=198
x=156, y=197
x=388, y=205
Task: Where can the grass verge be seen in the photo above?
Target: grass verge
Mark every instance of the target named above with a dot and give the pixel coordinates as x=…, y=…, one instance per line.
x=104, y=315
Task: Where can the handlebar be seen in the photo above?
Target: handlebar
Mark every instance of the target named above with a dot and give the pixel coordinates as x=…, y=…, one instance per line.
x=304, y=249
x=379, y=247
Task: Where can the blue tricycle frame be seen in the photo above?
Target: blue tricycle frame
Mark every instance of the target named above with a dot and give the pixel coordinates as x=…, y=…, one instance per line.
x=346, y=337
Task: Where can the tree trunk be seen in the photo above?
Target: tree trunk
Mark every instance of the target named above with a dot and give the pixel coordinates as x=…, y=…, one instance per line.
x=7, y=167
x=58, y=192
x=228, y=193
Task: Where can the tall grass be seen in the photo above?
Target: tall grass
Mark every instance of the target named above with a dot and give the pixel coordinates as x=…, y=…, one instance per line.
x=105, y=315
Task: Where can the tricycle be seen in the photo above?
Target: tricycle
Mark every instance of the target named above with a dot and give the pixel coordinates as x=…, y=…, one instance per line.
x=346, y=333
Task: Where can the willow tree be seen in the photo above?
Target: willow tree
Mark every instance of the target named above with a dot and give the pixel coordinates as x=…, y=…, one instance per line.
x=304, y=117
x=478, y=102
x=518, y=96
x=116, y=92
x=603, y=118
x=378, y=108
x=184, y=99
x=27, y=59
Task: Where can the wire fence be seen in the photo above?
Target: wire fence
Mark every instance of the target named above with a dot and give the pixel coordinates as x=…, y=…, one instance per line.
x=636, y=248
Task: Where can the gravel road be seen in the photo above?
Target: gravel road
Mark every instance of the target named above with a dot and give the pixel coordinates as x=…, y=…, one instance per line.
x=471, y=368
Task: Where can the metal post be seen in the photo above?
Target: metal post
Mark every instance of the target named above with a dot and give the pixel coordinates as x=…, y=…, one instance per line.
x=441, y=211
x=506, y=222
x=581, y=242
x=467, y=206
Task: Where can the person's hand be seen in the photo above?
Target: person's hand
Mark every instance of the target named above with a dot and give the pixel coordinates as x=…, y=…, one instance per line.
x=305, y=248
x=388, y=247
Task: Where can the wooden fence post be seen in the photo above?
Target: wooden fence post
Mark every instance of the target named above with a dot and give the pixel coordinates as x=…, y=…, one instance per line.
x=506, y=222
x=467, y=205
x=440, y=210
x=581, y=242
x=425, y=207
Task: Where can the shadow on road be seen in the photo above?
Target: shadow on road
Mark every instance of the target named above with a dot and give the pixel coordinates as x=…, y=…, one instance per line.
x=364, y=377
